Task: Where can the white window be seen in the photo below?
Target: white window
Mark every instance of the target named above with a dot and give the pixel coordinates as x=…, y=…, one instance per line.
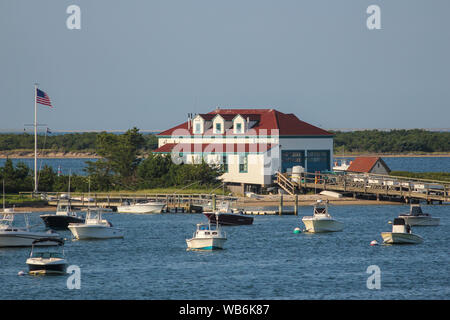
x=198, y=128
x=218, y=128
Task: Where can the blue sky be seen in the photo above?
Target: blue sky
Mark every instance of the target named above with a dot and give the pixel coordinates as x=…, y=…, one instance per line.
x=149, y=63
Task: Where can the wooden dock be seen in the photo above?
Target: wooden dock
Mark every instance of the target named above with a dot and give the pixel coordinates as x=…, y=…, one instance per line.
x=367, y=185
x=188, y=203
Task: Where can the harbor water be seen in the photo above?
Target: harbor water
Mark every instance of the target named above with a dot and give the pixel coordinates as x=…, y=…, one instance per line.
x=265, y=260
x=413, y=164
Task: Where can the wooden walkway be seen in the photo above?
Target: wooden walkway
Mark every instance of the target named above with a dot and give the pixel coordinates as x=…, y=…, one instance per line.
x=369, y=185
x=175, y=202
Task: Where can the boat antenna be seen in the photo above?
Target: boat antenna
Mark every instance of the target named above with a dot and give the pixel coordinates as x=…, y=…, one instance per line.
x=3, y=195
x=89, y=191
x=68, y=193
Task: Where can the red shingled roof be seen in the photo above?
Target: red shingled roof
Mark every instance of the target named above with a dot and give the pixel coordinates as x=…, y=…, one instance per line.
x=266, y=120
x=365, y=164
x=215, y=147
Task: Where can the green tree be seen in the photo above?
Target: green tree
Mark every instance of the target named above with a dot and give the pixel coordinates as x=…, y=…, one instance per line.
x=120, y=158
x=17, y=178
x=46, y=178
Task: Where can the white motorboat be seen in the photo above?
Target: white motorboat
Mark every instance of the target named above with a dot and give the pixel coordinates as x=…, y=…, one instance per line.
x=141, y=207
x=64, y=215
x=94, y=227
x=11, y=236
x=416, y=217
x=341, y=165
x=321, y=221
x=47, y=262
x=401, y=234
x=207, y=237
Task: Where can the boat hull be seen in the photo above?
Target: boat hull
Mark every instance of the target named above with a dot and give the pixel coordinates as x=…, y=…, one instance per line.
x=400, y=238
x=59, y=222
x=229, y=219
x=421, y=221
x=25, y=239
x=39, y=268
x=205, y=243
x=322, y=225
x=143, y=209
x=83, y=231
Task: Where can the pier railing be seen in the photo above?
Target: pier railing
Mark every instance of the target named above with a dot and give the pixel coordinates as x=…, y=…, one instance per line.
x=367, y=184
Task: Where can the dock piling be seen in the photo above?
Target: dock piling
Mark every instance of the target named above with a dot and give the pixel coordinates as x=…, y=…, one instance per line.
x=296, y=205
x=280, y=207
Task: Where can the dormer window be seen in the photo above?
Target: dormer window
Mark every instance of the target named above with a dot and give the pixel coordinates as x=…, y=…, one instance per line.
x=198, y=125
x=218, y=124
x=238, y=124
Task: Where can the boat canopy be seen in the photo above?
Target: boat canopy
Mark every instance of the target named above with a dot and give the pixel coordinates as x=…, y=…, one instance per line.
x=416, y=211
x=399, y=222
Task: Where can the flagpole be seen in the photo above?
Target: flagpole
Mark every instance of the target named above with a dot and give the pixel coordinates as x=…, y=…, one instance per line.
x=35, y=139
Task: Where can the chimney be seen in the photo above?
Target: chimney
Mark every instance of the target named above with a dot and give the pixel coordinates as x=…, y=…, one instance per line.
x=189, y=122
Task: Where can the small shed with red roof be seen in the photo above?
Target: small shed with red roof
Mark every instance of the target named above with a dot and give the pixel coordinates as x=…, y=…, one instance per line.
x=374, y=165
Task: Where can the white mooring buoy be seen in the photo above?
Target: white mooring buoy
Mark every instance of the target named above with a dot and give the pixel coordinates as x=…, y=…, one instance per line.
x=374, y=243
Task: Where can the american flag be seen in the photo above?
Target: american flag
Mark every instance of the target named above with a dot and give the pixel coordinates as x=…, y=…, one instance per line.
x=43, y=98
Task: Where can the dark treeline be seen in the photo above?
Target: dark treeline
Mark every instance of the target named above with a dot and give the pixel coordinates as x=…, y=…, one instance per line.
x=375, y=141
x=121, y=167
x=68, y=142
x=394, y=141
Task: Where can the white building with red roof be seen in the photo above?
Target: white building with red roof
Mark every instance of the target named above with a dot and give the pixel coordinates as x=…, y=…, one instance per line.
x=251, y=144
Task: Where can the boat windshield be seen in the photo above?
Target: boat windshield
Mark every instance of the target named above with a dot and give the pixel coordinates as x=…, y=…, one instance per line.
x=203, y=227
x=320, y=210
x=7, y=220
x=47, y=255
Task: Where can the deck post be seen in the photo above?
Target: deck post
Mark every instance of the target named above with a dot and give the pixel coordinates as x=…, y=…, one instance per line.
x=214, y=202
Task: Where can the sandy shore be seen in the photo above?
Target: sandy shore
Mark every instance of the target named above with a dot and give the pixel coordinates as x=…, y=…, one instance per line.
x=265, y=201
x=35, y=209
x=306, y=200
x=25, y=154
x=47, y=155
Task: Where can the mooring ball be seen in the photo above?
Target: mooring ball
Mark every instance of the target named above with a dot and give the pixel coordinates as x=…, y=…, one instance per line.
x=21, y=273
x=297, y=230
x=374, y=243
